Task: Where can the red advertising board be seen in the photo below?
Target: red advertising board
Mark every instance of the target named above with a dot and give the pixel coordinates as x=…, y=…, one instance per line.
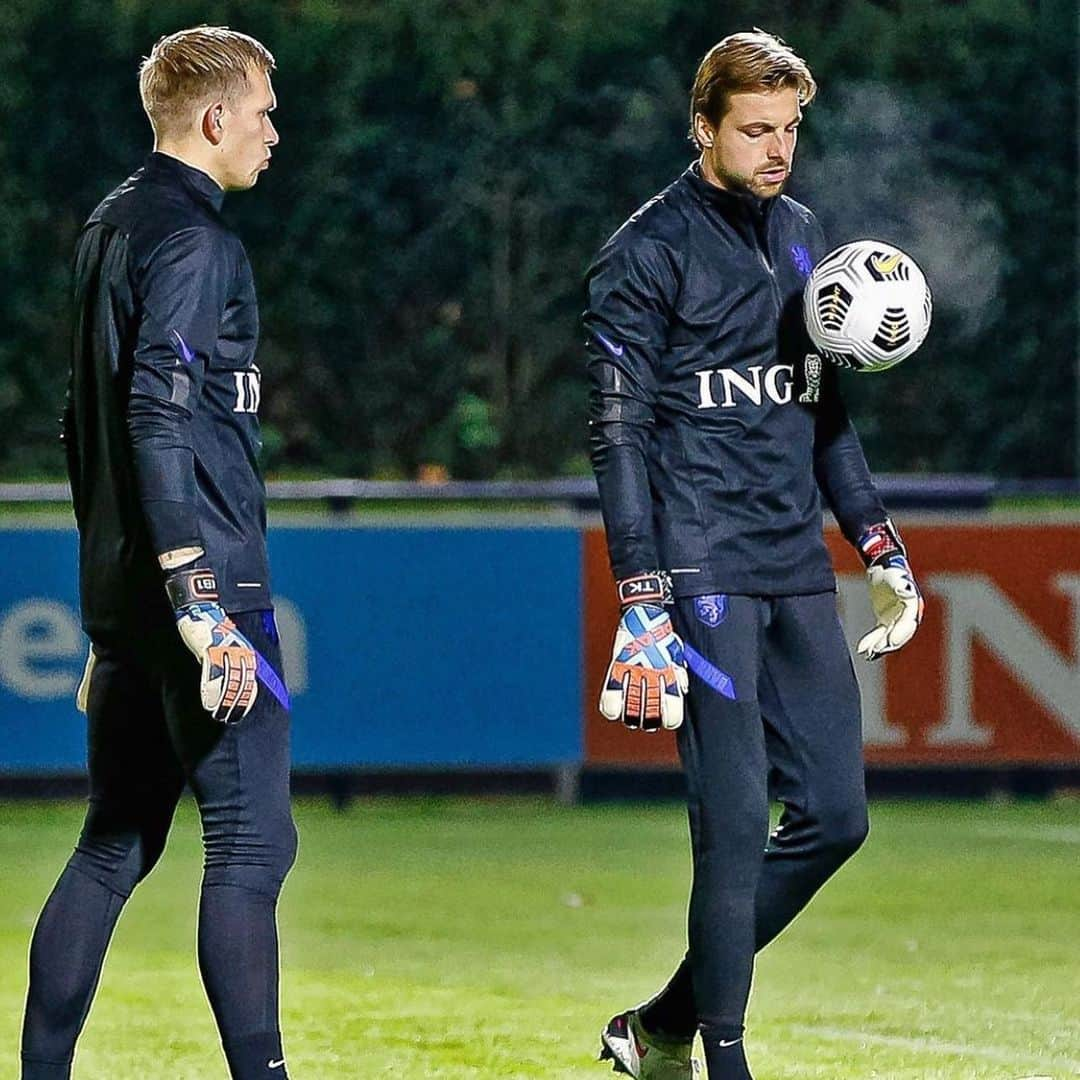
x=992, y=677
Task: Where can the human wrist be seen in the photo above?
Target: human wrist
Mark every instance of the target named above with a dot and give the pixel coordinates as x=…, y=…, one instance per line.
x=177, y=558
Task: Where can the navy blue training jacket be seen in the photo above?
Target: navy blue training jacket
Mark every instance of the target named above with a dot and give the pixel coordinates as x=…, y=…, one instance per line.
x=715, y=429
x=161, y=425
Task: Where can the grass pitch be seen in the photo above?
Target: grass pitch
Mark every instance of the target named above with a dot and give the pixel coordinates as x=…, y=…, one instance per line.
x=456, y=938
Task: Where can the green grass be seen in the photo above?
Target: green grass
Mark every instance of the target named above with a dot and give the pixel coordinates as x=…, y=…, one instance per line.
x=492, y=938
x=284, y=512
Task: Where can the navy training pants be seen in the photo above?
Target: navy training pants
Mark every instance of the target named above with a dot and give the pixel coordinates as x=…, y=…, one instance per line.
x=149, y=736
x=773, y=712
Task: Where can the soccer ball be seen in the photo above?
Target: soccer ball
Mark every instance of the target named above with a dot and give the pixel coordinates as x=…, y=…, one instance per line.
x=867, y=306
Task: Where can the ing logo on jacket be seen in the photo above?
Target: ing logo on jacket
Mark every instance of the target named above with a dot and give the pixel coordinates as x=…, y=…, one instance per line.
x=724, y=388
x=248, y=390
x=721, y=388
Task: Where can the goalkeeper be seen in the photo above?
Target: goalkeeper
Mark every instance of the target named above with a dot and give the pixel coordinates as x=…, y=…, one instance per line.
x=715, y=435
x=182, y=685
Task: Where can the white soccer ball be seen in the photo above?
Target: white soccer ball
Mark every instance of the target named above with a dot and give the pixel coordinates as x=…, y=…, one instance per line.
x=867, y=306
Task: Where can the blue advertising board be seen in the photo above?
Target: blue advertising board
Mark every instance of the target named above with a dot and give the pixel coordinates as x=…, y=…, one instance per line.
x=404, y=647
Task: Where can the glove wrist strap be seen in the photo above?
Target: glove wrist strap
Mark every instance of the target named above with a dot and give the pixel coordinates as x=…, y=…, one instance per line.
x=188, y=587
x=651, y=587
x=879, y=542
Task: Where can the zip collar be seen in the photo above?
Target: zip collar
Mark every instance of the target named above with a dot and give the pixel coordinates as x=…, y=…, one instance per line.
x=201, y=185
x=730, y=203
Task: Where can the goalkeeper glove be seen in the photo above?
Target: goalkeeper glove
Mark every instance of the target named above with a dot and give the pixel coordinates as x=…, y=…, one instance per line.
x=82, y=692
x=227, y=684
x=894, y=596
x=647, y=680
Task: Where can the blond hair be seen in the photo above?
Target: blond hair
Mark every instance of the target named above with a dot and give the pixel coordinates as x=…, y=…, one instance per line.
x=204, y=63
x=748, y=62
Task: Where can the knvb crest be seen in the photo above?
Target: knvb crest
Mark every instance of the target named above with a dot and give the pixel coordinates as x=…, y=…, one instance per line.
x=711, y=610
x=802, y=260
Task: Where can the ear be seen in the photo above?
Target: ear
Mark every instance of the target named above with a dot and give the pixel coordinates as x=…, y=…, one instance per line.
x=703, y=131
x=213, y=123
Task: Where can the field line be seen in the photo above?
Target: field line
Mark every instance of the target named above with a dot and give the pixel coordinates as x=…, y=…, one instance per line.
x=937, y=1046
x=1047, y=834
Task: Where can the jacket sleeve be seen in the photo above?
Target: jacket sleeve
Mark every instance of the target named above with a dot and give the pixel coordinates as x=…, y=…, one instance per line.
x=182, y=291
x=631, y=288
x=840, y=465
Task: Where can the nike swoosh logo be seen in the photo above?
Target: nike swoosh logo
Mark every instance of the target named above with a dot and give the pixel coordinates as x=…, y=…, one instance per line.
x=615, y=350
x=182, y=347
x=275, y=1064
x=730, y=1042
x=886, y=264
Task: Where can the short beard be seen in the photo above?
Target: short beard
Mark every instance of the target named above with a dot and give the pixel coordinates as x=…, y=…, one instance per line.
x=743, y=185
x=752, y=186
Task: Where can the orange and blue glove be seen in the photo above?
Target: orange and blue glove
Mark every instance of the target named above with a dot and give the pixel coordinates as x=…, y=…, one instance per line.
x=227, y=684
x=646, y=680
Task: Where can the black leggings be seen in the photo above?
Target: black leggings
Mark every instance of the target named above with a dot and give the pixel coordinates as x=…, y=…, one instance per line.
x=792, y=731
x=148, y=736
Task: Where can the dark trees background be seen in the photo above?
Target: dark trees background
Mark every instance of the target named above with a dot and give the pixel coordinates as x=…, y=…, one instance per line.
x=447, y=169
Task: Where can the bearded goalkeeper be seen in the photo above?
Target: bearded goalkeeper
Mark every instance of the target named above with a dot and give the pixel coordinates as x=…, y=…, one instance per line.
x=716, y=437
